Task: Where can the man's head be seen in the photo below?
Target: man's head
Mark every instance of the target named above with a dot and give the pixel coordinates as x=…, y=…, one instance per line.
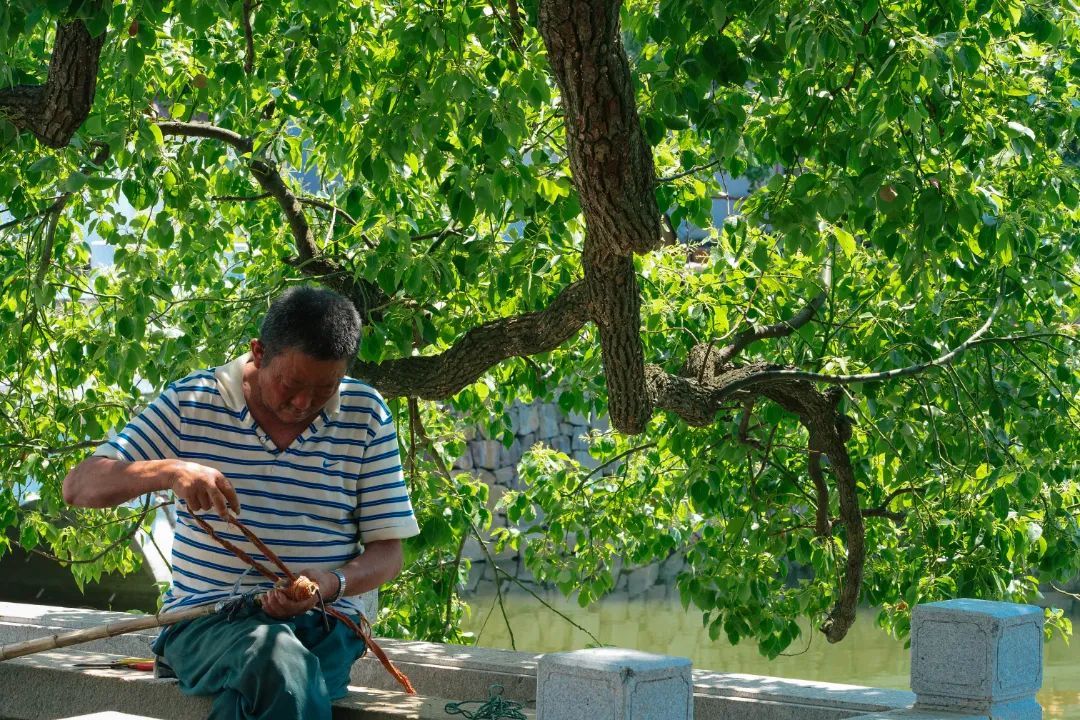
x=307, y=340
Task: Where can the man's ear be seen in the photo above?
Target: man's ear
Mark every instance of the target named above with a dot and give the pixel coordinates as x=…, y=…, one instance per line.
x=257, y=350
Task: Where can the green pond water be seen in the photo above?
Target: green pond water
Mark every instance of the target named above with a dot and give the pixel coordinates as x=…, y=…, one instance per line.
x=868, y=656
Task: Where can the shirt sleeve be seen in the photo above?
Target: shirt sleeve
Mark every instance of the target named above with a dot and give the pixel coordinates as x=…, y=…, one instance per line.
x=385, y=512
x=153, y=434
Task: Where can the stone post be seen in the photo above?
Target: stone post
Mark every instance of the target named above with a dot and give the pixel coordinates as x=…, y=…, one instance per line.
x=978, y=658
x=613, y=684
x=974, y=659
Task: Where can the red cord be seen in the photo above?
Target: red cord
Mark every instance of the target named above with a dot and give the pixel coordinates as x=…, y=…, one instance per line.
x=362, y=630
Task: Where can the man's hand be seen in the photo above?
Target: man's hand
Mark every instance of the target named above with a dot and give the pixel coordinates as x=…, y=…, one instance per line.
x=204, y=488
x=277, y=604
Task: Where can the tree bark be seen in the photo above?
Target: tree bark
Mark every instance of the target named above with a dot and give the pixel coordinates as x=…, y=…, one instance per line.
x=610, y=158
x=613, y=172
x=436, y=377
x=53, y=112
x=615, y=307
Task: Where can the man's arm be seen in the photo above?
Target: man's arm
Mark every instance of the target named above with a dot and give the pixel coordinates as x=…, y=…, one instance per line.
x=381, y=562
x=99, y=482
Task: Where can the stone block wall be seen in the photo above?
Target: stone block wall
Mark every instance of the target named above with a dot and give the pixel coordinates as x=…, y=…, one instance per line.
x=497, y=465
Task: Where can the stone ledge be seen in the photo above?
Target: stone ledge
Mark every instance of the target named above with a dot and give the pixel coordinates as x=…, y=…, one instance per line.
x=855, y=699
x=46, y=685
x=463, y=672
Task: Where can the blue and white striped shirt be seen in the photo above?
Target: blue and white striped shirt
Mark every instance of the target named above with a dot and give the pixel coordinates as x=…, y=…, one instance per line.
x=314, y=504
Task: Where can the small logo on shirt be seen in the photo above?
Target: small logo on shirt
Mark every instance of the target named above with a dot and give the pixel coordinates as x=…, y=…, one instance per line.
x=328, y=463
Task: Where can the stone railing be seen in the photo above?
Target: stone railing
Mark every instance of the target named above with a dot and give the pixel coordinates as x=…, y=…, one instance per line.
x=970, y=659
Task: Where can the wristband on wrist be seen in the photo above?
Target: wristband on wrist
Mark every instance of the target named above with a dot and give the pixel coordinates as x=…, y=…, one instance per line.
x=341, y=586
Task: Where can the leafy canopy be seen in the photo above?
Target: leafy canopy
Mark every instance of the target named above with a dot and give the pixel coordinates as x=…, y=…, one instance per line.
x=923, y=152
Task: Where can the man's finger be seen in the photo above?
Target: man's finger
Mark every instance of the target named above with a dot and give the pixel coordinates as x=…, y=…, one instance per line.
x=218, y=501
x=230, y=494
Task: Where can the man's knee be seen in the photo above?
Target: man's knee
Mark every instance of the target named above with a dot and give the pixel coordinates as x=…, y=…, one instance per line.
x=275, y=649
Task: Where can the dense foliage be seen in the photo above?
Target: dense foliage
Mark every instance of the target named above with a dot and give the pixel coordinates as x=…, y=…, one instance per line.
x=914, y=181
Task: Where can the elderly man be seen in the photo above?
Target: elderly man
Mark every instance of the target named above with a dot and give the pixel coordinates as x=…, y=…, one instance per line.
x=311, y=458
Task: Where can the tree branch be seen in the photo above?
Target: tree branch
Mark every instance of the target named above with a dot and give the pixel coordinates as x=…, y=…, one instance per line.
x=249, y=36
x=775, y=373
x=239, y=198
x=53, y=112
x=697, y=403
x=692, y=171
x=365, y=295
x=517, y=32
x=776, y=330
x=210, y=132
x=435, y=377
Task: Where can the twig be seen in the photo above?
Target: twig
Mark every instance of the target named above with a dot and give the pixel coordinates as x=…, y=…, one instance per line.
x=945, y=359
x=550, y=607
x=52, y=450
x=249, y=36
x=450, y=595
x=126, y=537
x=600, y=468
x=240, y=198
x=691, y=171
x=517, y=32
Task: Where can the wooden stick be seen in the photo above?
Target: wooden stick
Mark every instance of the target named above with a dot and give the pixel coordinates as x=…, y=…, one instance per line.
x=120, y=627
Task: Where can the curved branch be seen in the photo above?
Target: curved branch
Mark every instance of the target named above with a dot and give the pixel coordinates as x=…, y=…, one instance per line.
x=774, y=373
x=435, y=377
x=776, y=330
x=365, y=295
x=205, y=130
x=53, y=112
x=697, y=403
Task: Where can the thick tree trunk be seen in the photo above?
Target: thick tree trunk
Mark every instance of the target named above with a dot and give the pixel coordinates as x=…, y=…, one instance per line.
x=610, y=158
x=615, y=307
x=613, y=171
x=53, y=112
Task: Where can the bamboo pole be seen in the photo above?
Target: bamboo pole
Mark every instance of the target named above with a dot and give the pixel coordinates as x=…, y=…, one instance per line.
x=99, y=632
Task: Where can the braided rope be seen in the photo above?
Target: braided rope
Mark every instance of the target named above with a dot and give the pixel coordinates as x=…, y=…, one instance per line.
x=302, y=588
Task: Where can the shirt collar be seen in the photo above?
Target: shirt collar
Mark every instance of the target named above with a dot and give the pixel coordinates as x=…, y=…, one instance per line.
x=230, y=380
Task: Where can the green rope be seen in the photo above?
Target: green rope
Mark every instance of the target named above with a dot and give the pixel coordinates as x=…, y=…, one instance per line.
x=494, y=708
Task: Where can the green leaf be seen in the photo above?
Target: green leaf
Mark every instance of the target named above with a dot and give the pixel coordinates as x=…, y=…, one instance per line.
x=1022, y=129
x=125, y=327
x=1029, y=484
x=845, y=239
x=74, y=182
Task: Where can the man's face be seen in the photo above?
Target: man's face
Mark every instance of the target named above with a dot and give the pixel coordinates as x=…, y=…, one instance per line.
x=295, y=386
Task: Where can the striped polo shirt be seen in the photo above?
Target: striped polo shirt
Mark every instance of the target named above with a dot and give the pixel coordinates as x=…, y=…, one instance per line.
x=315, y=503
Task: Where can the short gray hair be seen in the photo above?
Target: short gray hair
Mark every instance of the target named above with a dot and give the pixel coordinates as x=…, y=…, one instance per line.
x=316, y=321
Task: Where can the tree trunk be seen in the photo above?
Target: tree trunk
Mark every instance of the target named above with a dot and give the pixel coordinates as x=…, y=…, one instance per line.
x=613, y=171
x=53, y=112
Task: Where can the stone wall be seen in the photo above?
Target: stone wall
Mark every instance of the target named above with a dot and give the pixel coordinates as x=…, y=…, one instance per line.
x=537, y=422
x=497, y=465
